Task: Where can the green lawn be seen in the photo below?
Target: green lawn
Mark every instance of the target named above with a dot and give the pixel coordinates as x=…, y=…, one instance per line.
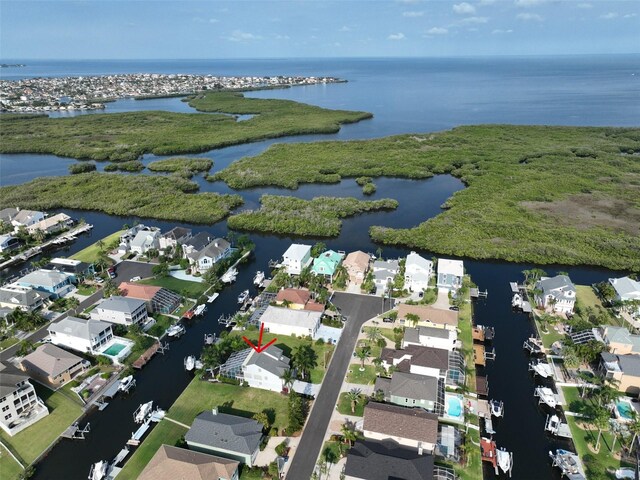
x=368, y=377
x=251, y=473
x=572, y=397
x=9, y=468
x=86, y=290
x=184, y=306
x=472, y=470
x=344, y=405
x=92, y=252
x=465, y=326
x=31, y=442
x=162, y=323
x=333, y=450
x=139, y=348
x=586, y=298
x=7, y=342
x=182, y=287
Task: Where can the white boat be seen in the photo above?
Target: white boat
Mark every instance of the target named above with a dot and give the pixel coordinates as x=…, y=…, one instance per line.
x=546, y=396
x=541, y=368
x=553, y=424
x=189, y=363
x=625, y=473
x=125, y=383
x=99, y=470
x=157, y=415
x=505, y=460
x=516, y=301
x=143, y=410
x=243, y=296
x=259, y=278
x=497, y=408
x=229, y=276
x=213, y=297
x=209, y=338
x=176, y=330
x=200, y=309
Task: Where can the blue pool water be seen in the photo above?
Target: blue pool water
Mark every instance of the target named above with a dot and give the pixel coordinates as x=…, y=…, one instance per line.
x=114, y=349
x=625, y=410
x=454, y=407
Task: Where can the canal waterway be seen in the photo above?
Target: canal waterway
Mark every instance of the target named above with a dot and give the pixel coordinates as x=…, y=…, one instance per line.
x=405, y=96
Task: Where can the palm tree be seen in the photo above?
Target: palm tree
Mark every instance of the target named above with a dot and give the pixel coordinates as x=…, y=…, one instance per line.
x=363, y=354
x=634, y=428
x=354, y=396
x=413, y=318
x=600, y=419
x=305, y=359
x=287, y=379
x=607, y=393
x=348, y=434
x=374, y=334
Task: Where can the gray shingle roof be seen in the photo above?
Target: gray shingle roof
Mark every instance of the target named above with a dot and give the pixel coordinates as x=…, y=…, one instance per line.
x=419, y=356
x=369, y=460
x=10, y=376
x=271, y=360
x=394, y=421
x=121, y=304
x=410, y=385
x=413, y=335
x=50, y=360
x=177, y=233
x=549, y=285
x=45, y=278
x=214, y=249
x=19, y=297
x=79, y=328
x=199, y=241
x=228, y=432
x=629, y=364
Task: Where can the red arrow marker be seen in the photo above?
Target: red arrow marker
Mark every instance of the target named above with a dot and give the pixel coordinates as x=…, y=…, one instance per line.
x=260, y=347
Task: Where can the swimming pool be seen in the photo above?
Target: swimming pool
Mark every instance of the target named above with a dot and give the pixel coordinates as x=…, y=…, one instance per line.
x=625, y=410
x=454, y=407
x=114, y=349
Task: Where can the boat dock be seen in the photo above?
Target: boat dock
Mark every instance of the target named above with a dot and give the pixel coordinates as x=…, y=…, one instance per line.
x=146, y=356
x=488, y=452
x=478, y=354
x=476, y=293
x=482, y=385
x=136, y=437
x=122, y=454
x=74, y=432
x=556, y=427
x=569, y=463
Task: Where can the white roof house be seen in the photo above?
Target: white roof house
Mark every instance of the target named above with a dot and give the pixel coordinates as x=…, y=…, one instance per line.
x=296, y=258
x=557, y=293
x=145, y=240
x=450, y=273
x=417, y=272
x=79, y=334
x=121, y=310
x=626, y=288
x=51, y=224
x=287, y=321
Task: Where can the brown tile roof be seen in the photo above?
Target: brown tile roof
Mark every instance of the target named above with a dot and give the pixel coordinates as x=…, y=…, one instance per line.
x=314, y=307
x=50, y=361
x=420, y=356
x=137, y=290
x=404, y=422
x=429, y=313
x=172, y=463
x=299, y=296
x=357, y=261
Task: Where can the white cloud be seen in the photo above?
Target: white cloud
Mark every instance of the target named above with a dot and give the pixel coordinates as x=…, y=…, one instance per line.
x=213, y=20
x=584, y=5
x=396, y=36
x=412, y=14
x=528, y=3
x=283, y=37
x=487, y=2
x=630, y=15
x=499, y=31
x=437, y=31
x=408, y=1
x=344, y=28
x=464, y=8
x=529, y=16
x=609, y=16
x=240, y=36
x=472, y=20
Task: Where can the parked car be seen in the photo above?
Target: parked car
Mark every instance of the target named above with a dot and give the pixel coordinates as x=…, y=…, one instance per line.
x=387, y=320
x=135, y=279
x=454, y=308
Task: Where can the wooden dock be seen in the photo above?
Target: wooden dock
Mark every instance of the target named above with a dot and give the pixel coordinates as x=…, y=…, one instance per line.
x=478, y=354
x=146, y=356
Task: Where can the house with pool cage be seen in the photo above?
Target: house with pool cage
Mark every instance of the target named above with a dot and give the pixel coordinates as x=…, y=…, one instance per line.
x=259, y=370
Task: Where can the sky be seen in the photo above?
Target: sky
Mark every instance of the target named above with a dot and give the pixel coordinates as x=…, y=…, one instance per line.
x=98, y=29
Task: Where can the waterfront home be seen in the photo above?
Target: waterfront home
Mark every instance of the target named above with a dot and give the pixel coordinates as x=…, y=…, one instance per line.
x=228, y=436
x=259, y=370
x=619, y=340
x=145, y=240
x=51, y=224
x=294, y=298
x=158, y=299
x=429, y=316
x=8, y=242
x=434, y=362
x=556, y=294
x=7, y=214
x=19, y=404
x=25, y=298
x=296, y=258
x=411, y=427
x=26, y=218
x=417, y=272
x=450, y=274
x=127, y=237
x=174, y=237
x=75, y=268
x=410, y=390
x=206, y=258
x=623, y=368
x=56, y=284
x=52, y=365
x=386, y=460
x=285, y=321
x=86, y=336
x=384, y=271
x=433, y=337
x=121, y=310
x=193, y=245
x=627, y=290
x=173, y=463
x=327, y=263
x=357, y=265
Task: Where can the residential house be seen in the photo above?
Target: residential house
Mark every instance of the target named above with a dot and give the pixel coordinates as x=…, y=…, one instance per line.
x=121, y=310
x=86, y=336
x=19, y=404
x=260, y=370
x=430, y=337
x=296, y=258
x=77, y=269
x=26, y=218
x=623, y=368
x=357, y=265
x=8, y=242
x=295, y=298
x=127, y=237
x=620, y=341
x=215, y=251
x=7, y=214
x=327, y=263
x=410, y=390
x=52, y=365
x=145, y=240
x=158, y=299
x=417, y=272
x=56, y=284
x=228, y=436
x=557, y=294
x=174, y=237
x=52, y=224
x=173, y=463
x=429, y=316
x=193, y=245
x=434, y=362
x=450, y=274
x=25, y=298
x=410, y=427
x=384, y=271
x=627, y=290
x=286, y=321
x=386, y=460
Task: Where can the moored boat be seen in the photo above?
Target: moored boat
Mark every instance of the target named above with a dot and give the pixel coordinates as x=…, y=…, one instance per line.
x=213, y=297
x=125, y=383
x=176, y=330
x=497, y=408
x=505, y=460
x=547, y=396
x=243, y=296
x=99, y=470
x=189, y=363
x=143, y=410
x=541, y=368
x=200, y=309
x=259, y=278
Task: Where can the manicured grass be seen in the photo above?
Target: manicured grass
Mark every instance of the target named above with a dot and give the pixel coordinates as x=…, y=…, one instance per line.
x=565, y=195
x=587, y=297
x=251, y=473
x=86, y=290
x=367, y=377
x=374, y=349
x=318, y=217
x=466, y=336
x=7, y=342
x=387, y=333
x=92, y=252
x=186, y=305
x=472, y=470
x=139, y=348
x=31, y=442
x=333, y=450
x=9, y=468
x=572, y=397
x=181, y=287
x=162, y=323
x=344, y=405
x=587, y=300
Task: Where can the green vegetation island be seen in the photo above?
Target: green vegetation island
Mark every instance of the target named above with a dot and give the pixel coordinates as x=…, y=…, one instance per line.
x=568, y=195
x=150, y=196
x=127, y=136
x=184, y=166
x=318, y=217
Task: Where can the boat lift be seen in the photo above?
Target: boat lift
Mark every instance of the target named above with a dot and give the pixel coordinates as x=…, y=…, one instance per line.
x=74, y=432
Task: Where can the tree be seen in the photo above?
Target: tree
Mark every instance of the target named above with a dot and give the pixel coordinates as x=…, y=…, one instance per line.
x=608, y=392
x=354, y=396
x=634, y=429
x=72, y=303
x=413, y=318
x=296, y=413
x=363, y=354
x=379, y=253
x=348, y=434
x=263, y=418
x=305, y=359
x=374, y=334
x=318, y=248
x=161, y=270
x=287, y=379
x=378, y=395
x=600, y=419
x=273, y=470
x=26, y=347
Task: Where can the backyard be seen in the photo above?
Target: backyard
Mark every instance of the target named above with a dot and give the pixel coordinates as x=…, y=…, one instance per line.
x=182, y=287
x=9, y=468
x=92, y=252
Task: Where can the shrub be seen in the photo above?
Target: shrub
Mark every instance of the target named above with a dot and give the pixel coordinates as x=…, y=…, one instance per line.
x=281, y=448
x=83, y=167
x=103, y=360
x=105, y=375
x=369, y=189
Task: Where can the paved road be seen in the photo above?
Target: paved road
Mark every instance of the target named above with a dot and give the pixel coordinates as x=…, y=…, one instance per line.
x=357, y=309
